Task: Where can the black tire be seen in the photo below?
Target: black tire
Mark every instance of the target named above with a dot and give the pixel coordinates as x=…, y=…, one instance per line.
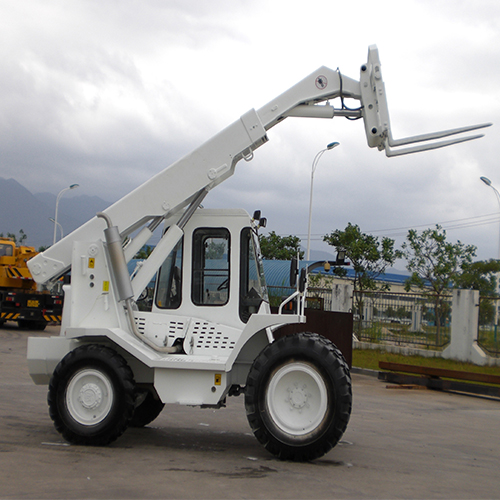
x=26, y=324
x=298, y=397
x=91, y=396
x=147, y=410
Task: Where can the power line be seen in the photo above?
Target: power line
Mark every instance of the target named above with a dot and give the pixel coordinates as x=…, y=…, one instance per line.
x=478, y=220
x=451, y=224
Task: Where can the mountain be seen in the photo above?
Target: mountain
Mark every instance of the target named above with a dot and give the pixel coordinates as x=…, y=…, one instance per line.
x=20, y=209
x=79, y=208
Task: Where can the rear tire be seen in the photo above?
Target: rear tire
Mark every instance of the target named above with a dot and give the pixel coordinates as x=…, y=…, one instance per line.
x=298, y=397
x=148, y=410
x=91, y=396
x=26, y=324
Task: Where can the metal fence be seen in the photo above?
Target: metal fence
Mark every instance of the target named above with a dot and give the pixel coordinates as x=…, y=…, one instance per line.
x=413, y=319
x=422, y=320
x=488, y=335
x=317, y=298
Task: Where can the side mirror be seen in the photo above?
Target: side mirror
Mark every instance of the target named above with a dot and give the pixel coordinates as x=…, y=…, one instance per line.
x=294, y=265
x=261, y=221
x=302, y=279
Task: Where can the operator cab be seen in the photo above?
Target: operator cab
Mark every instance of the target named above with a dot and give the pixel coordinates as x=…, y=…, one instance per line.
x=216, y=266
x=7, y=251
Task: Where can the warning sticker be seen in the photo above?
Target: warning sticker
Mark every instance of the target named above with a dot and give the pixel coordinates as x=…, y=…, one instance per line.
x=321, y=82
x=218, y=379
x=91, y=262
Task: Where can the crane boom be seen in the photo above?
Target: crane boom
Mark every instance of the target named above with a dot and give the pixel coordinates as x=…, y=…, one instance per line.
x=184, y=182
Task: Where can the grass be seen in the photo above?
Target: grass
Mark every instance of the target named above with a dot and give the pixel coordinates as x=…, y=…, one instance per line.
x=369, y=358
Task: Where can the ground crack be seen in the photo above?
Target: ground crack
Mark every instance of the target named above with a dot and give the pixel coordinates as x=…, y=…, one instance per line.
x=243, y=472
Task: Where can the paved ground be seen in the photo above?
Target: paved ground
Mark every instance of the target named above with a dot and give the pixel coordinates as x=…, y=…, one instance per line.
x=399, y=444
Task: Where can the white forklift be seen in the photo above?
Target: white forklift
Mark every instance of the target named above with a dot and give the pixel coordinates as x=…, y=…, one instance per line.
x=209, y=333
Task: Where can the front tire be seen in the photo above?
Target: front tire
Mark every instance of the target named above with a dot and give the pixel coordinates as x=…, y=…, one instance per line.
x=91, y=396
x=298, y=397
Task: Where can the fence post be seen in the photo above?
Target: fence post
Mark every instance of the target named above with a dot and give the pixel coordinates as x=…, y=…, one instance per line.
x=368, y=311
x=342, y=297
x=416, y=318
x=464, y=324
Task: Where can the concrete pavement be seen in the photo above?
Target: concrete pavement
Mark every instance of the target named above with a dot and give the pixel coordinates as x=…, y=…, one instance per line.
x=399, y=444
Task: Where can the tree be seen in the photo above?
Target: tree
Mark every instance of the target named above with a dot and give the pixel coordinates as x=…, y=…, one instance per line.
x=369, y=257
x=18, y=240
x=144, y=252
x=274, y=247
x=481, y=275
x=433, y=261
x=435, y=264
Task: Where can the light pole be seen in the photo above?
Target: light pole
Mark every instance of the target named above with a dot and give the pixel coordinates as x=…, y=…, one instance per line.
x=58, y=225
x=73, y=186
x=488, y=183
x=314, y=165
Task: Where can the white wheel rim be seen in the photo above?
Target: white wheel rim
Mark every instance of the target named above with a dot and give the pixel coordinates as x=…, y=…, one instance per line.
x=297, y=398
x=89, y=396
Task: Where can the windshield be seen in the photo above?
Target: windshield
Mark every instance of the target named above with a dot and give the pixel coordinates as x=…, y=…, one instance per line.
x=253, y=289
x=256, y=268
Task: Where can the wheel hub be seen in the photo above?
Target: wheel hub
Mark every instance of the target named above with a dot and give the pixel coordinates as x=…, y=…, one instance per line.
x=90, y=396
x=297, y=397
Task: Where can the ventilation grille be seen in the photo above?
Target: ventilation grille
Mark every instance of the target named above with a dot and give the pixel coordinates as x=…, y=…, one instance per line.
x=172, y=330
x=176, y=330
x=207, y=336
x=140, y=322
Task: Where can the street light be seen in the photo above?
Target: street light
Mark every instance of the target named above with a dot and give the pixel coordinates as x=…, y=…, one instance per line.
x=489, y=184
x=58, y=225
x=314, y=165
x=73, y=186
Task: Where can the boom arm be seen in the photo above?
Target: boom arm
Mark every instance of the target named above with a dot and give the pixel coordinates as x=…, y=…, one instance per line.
x=186, y=181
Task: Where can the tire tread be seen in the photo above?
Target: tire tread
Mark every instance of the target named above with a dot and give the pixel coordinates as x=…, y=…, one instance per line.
x=311, y=347
x=95, y=355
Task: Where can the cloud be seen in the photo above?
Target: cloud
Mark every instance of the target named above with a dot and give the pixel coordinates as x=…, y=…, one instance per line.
x=107, y=94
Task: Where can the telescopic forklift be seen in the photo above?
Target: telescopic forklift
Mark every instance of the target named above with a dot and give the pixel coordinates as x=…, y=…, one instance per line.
x=209, y=333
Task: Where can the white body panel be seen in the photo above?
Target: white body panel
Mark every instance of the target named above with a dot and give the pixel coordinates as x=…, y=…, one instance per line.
x=217, y=344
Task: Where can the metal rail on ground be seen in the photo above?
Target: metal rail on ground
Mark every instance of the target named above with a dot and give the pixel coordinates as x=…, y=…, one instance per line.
x=441, y=379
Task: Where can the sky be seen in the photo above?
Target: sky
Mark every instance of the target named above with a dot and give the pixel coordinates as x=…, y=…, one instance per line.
x=107, y=93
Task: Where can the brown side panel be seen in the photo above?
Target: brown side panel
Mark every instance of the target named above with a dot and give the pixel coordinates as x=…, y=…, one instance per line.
x=335, y=326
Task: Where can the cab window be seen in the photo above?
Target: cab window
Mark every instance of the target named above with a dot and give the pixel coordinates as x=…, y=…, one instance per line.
x=5, y=250
x=210, y=277
x=169, y=285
